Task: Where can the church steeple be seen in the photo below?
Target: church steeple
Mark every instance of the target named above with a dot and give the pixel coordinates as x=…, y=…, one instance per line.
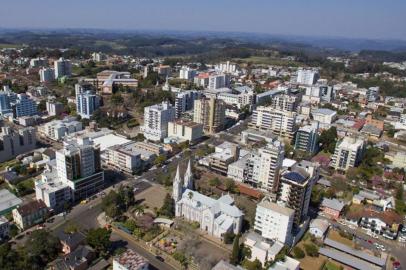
x=177, y=186
x=188, y=179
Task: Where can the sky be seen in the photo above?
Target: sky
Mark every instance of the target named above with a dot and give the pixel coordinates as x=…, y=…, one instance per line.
x=375, y=19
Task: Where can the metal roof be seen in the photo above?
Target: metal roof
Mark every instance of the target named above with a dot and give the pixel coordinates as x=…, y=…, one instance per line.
x=347, y=259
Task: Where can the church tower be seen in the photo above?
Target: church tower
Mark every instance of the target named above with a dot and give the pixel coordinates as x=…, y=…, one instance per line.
x=188, y=179
x=177, y=186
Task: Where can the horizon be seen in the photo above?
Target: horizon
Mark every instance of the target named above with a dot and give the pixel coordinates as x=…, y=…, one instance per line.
x=315, y=18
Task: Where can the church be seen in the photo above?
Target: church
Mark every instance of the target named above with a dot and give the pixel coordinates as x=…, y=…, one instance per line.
x=215, y=216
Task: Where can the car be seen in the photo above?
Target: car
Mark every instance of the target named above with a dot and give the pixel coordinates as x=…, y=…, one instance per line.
x=50, y=220
x=159, y=258
x=83, y=202
x=370, y=241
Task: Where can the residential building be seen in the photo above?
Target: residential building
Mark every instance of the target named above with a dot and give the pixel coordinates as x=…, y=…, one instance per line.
x=184, y=101
x=58, y=129
x=348, y=153
x=223, y=265
x=53, y=191
x=30, y=214
x=224, y=154
x=307, y=76
x=285, y=102
x=4, y=228
x=324, y=116
x=226, y=67
x=306, y=139
x=287, y=264
x=187, y=73
x=127, y=157
x=281, y=123
x=202, y=80
x=54, y=108
x=38, y=62
x=156, y=119
x=318, y=227
x=332, y=207
x=217, y=81
x=385, y=223
x=8, y=201
x=79, y=259
x=23, y=106
x=98, y=56
x=215, y=216
x=70, y=241
x=130, y=260
x=46, y=75
x=372, y=94
x=273, y=221
x=262, y=249
x=7, y=97
x=241, y=99
x=185, y=130
x=211, y=113
x=16, y=142
x=62, y=68
x=295, y=188
x=87, y=102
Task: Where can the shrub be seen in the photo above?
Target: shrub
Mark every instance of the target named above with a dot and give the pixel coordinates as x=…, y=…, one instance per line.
x=298, y=253
x=311, y=250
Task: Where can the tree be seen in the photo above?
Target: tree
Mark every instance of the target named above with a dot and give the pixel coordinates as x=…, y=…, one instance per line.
x=235, y=254
x=160, y=160
x=298, y=253
x=117, y=99
x=214, y=182
x=42, y=246
x=168, y=207
x=230, y=185
x=311, y=250
x=99, y=239
x=228, y=237
x=252, y=265
x=328, y=139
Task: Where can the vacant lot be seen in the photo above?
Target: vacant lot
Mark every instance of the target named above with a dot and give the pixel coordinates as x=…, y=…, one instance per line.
x=152, y=197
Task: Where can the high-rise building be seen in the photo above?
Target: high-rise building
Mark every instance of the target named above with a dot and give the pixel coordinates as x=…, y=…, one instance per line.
x=348, y=153
x=16, y=142
x=78, y=165
x=285, y=102
x=54, y=108
x=156, y=119
x=295, y=188
x=273, y=221
x=6, y=98
x=86, y=101
x=307, y=76
x=372, y=93
x=217, y=81
x=226, y=67
x=184, y=101
x=62, y=68
x=211, y=113
x=307, y=137
x=281, y=123
x=23, y=106
x=38, y=62
x=46, y=74
x=187, y=73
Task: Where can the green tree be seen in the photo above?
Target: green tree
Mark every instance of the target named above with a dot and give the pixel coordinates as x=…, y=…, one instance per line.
x=228, y=237
x=160, y=160
x=117, y=99
x=235, y=254
x=99, y=239
x=168, y=207
x=214, y=182
x=252, y=265
x=230, y=185
x=42, y=246
x=328, y=139
x=298, y=253
x=311, y=250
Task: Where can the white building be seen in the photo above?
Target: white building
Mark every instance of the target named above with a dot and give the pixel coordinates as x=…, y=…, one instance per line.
x=58, y=129
x=185, y=130
x=324, y=116
x=307, y=76
x=156, y=119
x=226, y=67
x=215, y=216
x=38, y=62
x=46, y=75
x=274, y=222
x=348, y=153
x=281, y=123
x=86, y=101
x=217, y=81
x=54, y=108
x=16, y=142
x=240, y=99
x=318, y=227
x=187, y=73
x=126, y=157
x=261, y=249
x=62, y=68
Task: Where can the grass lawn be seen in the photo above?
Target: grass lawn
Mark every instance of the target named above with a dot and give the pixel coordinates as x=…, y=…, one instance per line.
x=331, y=266
x=334, y=235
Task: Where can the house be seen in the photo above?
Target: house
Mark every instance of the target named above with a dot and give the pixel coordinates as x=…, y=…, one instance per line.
x=79, y=259
x=262, y=249
x=130, y=260
x=318, y=227
x=383, y=223
x=287, y=264
x=332, y=207
x=30, y=214
x=70, y=241
x=223, y=265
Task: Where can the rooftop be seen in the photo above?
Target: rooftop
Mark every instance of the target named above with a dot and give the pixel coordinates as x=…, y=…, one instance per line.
x=31, y=207
x=131, y=260
x=8, y=200
x=266, y=203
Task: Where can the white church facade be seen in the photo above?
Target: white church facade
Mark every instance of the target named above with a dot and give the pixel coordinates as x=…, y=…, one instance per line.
x=215, y=216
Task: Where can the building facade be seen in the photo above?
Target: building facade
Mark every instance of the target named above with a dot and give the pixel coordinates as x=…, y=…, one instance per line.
x=348, y=153
x=156, y=119
x=211, y=113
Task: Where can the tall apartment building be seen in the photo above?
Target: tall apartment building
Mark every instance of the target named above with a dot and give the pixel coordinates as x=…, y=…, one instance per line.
x=240, y=99
x=46, y=75
x=226, y=67
x=6, y=98
x=156, y=118
x=307, y=137
x=16, y=142
x=185, y=130
x=87, y=101
x=62, y=67
x=23, y=106
x=38, y=62
x=285, y=102
x=54, y=108
x=187, y=73
x=58, y=129
x=78, y=165
x=348, y=153
x=307, y=76
x=281, y=123
x=184, y=101
x=273, y=221
x=217, y=81
x=372, y=93
x=295, y=188
x=211, y=113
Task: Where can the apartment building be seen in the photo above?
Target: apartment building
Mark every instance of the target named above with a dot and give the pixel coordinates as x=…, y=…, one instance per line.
x=38, y=62
x=307, y=76
x=184, y=101
x=348, y=153
x=58, y=129
x=156, y=119
x=23, y=106
x=46, y=75
x=87, y=101
x=240, y=99
x=285, y=102
x=127, y=157
x=224, y=154
x=54, y=108
x=307, y=138
x=281, y=123
x=7, y=97
x=217, y=81
x=62, y=67
x=185, y=130
x=211, y=113
x=16, y=142
x=187, y=73
x=273, y=221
